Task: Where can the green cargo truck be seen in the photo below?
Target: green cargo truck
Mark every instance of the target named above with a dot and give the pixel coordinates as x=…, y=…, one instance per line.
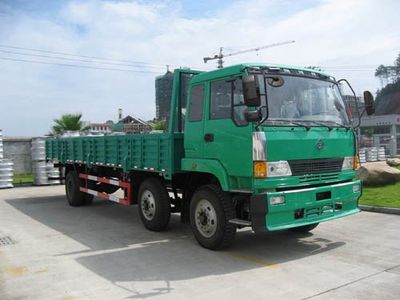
x=266, y=146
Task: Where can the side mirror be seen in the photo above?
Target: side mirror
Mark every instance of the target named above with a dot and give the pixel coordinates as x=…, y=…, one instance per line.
x=251, y=91
x=252, y=116
x=369, y=103
x=275, y=81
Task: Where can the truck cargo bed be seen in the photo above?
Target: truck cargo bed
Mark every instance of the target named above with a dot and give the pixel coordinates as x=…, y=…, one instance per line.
x=149, y=152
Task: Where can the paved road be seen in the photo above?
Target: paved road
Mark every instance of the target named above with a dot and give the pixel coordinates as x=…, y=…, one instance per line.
x=103, y=252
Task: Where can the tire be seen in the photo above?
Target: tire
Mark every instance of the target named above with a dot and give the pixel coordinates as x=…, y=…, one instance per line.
x=304, y=229
x=74, y=196
x=154, y=205
x=210, y=212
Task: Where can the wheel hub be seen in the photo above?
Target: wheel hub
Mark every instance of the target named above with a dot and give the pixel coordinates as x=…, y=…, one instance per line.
x=206, y=218
x=203, y=219
x=148, y=205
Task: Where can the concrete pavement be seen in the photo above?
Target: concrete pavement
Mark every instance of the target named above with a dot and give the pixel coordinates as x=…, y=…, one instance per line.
x=103, y=252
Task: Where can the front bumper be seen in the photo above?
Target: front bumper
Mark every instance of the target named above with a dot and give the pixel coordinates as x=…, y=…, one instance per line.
x=304, y=206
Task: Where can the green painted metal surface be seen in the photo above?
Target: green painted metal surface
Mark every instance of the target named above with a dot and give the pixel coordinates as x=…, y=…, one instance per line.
x=286, y=143
x=129, y=152
x=282, y=216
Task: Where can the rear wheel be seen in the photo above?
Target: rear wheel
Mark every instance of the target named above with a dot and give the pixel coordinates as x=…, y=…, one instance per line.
x=210, y=212
x=305, y=228
x=74, y=195
x=154, y=204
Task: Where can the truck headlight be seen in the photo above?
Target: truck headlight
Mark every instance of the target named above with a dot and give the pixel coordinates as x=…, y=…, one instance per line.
x=356, y=188
x=275, y=200
x=348, y=163
x=278, y=168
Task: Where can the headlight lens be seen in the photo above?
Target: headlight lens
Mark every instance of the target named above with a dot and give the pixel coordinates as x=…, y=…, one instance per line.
x=356, y=188
x=278, y=168
x=275, y=200
x=348, y=163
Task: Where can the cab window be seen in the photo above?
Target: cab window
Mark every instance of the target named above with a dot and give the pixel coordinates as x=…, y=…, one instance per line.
x=196, y=104
x=227, y=101
x=220, y=100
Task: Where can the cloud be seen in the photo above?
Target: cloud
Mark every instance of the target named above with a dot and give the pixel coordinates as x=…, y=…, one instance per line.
x=327, y=33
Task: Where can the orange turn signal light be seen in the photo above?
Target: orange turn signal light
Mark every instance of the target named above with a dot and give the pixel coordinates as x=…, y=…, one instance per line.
x=260, y=169
x=355, y=165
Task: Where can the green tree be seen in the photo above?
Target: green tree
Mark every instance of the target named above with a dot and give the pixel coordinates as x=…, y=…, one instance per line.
x=160, y=125
x=391, y=76
x=67, y=122
x=397, y=66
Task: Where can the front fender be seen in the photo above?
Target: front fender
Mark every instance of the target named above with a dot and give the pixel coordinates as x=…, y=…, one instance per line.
x=210, y=166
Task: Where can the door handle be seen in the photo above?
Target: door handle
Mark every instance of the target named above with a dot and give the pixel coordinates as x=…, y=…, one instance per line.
x=209, y=137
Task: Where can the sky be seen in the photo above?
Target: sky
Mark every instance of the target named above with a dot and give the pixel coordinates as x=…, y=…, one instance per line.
x=346, y=38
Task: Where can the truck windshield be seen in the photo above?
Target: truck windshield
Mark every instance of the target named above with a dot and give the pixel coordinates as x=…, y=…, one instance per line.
x=305, y=100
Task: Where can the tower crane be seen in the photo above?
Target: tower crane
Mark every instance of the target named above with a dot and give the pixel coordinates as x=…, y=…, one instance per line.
x=220, y=55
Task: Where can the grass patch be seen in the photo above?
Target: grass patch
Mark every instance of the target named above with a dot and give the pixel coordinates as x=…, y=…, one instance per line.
x=22, y=178
x=388, y=196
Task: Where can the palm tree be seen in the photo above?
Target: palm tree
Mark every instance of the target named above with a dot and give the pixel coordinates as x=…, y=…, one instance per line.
x=70, y=122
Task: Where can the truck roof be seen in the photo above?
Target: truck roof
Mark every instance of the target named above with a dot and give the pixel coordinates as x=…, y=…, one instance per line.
x=235, y=69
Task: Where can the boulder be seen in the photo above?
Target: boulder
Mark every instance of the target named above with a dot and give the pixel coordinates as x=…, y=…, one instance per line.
x=378, y=173
x=393, y=162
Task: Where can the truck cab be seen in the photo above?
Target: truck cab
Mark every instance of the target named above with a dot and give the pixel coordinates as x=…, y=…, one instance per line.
x=278, y=140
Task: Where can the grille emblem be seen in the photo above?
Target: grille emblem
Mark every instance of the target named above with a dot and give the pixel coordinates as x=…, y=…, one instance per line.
x=320, y=144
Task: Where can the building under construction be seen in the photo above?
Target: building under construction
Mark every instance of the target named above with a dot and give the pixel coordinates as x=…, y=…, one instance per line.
x=163, y=87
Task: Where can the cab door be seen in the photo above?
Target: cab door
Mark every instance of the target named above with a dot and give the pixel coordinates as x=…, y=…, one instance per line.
x=227, y=137
x=193, y=141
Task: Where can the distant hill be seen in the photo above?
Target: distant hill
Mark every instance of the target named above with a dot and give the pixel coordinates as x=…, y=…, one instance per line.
x=388, y=104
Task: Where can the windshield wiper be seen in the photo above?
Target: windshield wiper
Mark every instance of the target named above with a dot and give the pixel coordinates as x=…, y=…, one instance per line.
x=329, y=127
x=291, y=122
x=320, y=124
x=339, y=124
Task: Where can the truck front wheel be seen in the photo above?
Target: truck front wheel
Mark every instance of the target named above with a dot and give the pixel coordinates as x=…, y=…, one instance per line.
x=74, y=195
x=210, y=212
x=154, y=205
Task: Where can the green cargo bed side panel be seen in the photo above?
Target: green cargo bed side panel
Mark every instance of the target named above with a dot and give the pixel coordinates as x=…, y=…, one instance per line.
x=150, y=152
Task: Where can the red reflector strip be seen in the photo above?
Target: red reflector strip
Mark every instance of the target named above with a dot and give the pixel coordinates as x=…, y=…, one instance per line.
x=105, y=180
x=104, y=196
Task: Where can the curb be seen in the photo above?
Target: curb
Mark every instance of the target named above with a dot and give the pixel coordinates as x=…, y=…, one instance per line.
x=380, y=209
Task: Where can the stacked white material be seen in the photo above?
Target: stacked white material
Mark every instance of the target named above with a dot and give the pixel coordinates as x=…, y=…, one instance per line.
x=362, y=155
x=39, y=173
x=381, y=154
x=6, y=168
x=372, y=154
x=41, y=170
x=38, y=149
x=1, y=144
x=6, y=173
x=53, y=174
x=70, y=133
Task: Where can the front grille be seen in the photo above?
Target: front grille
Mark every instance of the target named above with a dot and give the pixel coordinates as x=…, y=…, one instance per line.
x=318, y=177
x=315, y=166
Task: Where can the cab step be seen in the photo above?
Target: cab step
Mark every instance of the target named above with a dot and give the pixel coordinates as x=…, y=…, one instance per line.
x=240, y=222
